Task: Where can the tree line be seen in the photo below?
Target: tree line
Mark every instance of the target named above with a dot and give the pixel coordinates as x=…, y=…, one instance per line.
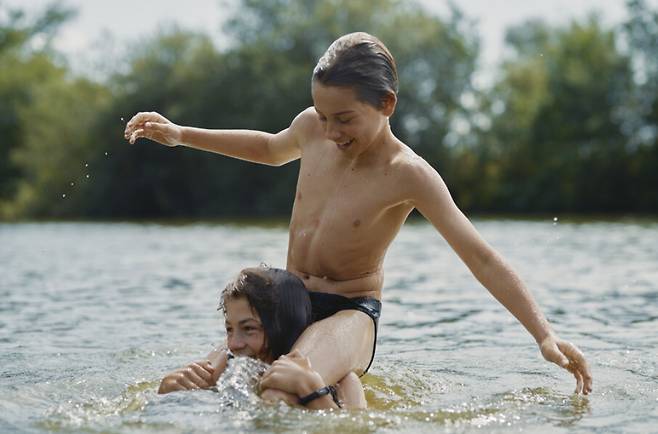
x=569, y=125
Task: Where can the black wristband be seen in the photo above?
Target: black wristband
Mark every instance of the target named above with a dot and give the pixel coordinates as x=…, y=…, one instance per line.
x=326, y=390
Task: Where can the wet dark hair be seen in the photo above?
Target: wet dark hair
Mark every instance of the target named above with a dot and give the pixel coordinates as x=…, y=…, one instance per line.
x=281, y=301
x=362, y=62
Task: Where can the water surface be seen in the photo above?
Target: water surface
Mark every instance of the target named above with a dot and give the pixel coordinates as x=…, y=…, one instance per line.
x=92, y=315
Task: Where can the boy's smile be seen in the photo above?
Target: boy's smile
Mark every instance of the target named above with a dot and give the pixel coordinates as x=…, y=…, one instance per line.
x=348, y=122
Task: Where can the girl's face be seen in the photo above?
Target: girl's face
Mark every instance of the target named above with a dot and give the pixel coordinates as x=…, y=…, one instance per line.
x=352, y=124
x=244, y=332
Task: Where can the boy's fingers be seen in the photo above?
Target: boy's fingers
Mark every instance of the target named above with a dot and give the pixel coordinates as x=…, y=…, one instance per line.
x=587, y=379
x=155, y=126
x=136, y=135
x=139, y=118
x=579, y=382
x=134, y=120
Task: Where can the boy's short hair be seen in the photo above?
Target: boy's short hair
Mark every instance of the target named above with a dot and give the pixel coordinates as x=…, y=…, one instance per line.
x=361, y=61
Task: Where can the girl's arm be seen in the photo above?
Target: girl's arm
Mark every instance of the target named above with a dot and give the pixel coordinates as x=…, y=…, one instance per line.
x=198, y=375
x=296, y=372
x=255, y=146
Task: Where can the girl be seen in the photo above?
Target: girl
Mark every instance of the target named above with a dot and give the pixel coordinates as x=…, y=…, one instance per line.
x=266, y=310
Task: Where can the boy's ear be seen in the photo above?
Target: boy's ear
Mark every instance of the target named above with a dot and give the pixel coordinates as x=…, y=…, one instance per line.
x=389, y=103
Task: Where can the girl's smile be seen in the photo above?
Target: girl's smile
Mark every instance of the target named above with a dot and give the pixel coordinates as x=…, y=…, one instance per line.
x=244, y=332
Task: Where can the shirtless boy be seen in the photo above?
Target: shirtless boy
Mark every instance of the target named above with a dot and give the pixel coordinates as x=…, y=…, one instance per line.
x=357, y=184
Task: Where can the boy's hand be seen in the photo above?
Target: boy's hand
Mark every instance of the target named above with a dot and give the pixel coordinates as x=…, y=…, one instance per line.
x=568, y=356
x=153, y=126
x=198, y=375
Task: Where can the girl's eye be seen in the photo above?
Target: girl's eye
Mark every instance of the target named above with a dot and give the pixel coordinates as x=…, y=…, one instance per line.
x=344, y=121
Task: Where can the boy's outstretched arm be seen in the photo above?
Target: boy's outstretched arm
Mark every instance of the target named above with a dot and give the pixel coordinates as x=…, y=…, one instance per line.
x=432, y=198
x=255, y=146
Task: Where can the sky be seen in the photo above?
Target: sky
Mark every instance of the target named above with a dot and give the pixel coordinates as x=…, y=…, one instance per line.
x=126, y=21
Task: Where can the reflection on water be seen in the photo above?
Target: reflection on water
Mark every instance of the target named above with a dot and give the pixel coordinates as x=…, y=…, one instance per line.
x=93, y=315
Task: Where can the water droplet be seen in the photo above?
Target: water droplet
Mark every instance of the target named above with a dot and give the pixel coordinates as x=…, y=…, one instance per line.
x=86, y=164
x=87, y=175
x=63, y=195
x=122, y=120
x=555, y=219
x=106, y=154
x=541, y=55
x=72, y=184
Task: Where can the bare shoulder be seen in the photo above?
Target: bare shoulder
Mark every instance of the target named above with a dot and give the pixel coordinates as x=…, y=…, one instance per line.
x=418, y=177
x=306, y=125
x=412, y=167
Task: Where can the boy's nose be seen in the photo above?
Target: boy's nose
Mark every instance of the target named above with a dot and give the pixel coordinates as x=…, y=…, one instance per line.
x=332, y=132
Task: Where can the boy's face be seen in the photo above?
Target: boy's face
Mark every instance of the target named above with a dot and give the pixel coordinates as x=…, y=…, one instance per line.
x=352, y=124
x=244, y=332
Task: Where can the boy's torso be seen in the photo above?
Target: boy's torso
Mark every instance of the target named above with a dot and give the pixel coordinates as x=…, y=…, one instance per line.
x=345, y=216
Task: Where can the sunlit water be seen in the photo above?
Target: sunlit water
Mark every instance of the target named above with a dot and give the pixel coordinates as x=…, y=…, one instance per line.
x=92, y=316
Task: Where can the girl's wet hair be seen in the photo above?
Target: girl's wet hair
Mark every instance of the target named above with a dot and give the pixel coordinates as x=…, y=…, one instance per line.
x=281, y=301
x=362, y=62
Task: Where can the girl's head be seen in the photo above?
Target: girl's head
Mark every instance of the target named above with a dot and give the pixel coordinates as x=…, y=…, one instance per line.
x=266, y=310
x=354, y=91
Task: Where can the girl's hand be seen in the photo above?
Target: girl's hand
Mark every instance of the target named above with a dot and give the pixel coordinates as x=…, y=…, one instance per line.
x=273, y=395
x=292, y=373
x=199, y=375
x=568, y=356
x=155, y=127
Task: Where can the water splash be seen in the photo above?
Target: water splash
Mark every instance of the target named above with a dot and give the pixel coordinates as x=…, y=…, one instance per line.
x=237, y=385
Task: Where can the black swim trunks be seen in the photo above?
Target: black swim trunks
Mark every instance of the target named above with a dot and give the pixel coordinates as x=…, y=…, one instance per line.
x=324, y=305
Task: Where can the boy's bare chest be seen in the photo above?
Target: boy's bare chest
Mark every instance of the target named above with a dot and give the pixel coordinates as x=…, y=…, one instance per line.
x=342, y=196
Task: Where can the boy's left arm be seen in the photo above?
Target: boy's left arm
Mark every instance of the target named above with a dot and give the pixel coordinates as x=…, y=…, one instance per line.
x=431, y=197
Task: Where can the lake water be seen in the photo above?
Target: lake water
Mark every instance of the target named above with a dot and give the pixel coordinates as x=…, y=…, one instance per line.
x=92, y=316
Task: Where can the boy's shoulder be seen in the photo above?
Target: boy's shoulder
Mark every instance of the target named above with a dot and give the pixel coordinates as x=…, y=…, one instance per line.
x=306, y=124
x=407, y=162
x=413, y=174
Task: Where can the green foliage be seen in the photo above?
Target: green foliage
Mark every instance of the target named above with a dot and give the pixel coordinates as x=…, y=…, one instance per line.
x=571, y=124
x=557, y=139
x=261, y=82
x=44, y=117
x=21, y=64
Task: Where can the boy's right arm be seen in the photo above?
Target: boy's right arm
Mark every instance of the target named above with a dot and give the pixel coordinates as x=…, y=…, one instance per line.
x=255, y=146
